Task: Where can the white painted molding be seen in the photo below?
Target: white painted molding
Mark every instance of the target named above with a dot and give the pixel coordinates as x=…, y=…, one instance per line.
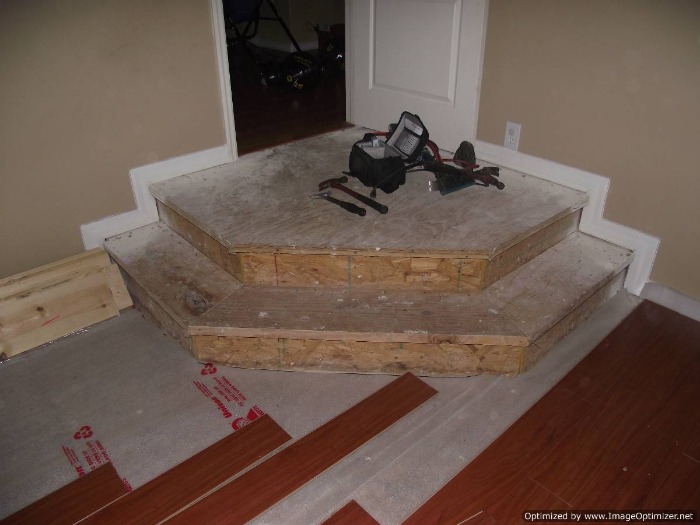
x=219, y=31
x=94, y=233
x=672, y=299
x=645, y=246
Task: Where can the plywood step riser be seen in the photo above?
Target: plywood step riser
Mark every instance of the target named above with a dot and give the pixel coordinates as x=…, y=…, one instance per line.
x=439, y=360
x=159, y=313
x=446, y=272
x=436, y=360
x=424, y=359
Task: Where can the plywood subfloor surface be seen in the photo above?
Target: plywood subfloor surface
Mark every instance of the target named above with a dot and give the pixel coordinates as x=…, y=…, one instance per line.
x=262, y=201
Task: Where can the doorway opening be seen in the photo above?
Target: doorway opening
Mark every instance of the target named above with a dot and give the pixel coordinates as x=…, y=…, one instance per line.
x=266, y=43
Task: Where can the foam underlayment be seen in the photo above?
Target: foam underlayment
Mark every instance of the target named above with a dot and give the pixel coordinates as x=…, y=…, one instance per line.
x=124, y=391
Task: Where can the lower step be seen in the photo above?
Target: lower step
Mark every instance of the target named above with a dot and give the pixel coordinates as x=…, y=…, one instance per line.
x=503, y=330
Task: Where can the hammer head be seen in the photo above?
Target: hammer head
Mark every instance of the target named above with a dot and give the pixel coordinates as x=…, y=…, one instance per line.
x=321, y=195
x=332, y=182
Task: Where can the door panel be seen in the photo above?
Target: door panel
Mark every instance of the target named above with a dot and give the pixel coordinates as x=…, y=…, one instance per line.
x=422, y=56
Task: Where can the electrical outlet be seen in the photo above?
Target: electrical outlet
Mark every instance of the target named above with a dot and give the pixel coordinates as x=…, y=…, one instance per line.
x=512, y=137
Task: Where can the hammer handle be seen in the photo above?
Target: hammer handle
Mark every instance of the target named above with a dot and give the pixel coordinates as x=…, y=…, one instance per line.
x=381, y=208
x=349, y=206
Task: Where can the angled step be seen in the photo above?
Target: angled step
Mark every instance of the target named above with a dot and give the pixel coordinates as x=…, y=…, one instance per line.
x=255, y=219
x=360, y=330
x=559, y=289
x=169, y=279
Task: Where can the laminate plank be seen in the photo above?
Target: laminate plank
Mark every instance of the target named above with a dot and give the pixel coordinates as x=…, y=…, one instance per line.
x=503, y=465
x=168, y=493
x=677, y=483
x=625, y=442
x=73, y=502
x=258, y=489
x=526, y=496
x=600, y=370
x=351, y=514
x=631, y=480
x=480, y=518
x=646, y=408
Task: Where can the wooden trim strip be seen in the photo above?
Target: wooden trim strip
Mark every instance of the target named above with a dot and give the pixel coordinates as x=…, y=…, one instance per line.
x=258, y=489
x=351, y=514
x=73, y=502
x=180, y=486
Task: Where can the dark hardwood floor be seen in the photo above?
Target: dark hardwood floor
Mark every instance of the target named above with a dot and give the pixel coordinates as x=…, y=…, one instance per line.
x=266, y=116
x=620, y=431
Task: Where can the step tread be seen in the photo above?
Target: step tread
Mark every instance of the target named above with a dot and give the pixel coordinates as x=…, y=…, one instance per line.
x=261, y=203
x=514, y=311
x=358, y=315
x=181, y=279
x=567, y=274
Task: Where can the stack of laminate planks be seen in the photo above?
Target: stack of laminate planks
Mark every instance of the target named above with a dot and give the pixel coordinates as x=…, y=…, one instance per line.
x=237, y=478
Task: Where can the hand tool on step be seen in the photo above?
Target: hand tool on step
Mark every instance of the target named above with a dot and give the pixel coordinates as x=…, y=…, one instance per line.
x=337, y=183
x=349, y=206
x=450, y=178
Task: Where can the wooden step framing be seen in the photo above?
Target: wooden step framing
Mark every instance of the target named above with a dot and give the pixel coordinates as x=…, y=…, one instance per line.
x=503, y=330
x=446, y=271
x=254, y=219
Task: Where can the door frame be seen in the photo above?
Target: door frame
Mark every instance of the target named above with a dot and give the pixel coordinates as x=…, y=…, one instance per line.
x=221, y=47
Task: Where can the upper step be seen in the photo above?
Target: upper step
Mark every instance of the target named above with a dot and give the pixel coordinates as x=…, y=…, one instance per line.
x=254, y=218
x=361, y=330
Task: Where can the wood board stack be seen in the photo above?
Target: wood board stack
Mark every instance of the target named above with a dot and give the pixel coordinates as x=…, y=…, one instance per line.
x=57, y=299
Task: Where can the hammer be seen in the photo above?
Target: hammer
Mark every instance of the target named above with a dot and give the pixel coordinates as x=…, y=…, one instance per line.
x=338, y=184
x=349, y=206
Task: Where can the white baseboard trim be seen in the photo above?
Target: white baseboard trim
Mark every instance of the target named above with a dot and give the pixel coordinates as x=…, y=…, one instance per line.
x=94, y=233
x=218, y=28
x=645, y=246
x=672, y=299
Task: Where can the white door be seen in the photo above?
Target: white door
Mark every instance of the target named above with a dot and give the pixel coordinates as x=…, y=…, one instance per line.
x=421, y=56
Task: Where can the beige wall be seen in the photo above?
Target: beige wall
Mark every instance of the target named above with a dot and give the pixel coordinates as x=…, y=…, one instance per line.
x=89, y=90
x=612, y=87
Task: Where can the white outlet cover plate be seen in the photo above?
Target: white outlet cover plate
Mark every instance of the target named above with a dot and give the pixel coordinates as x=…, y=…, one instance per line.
x=511, y=140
